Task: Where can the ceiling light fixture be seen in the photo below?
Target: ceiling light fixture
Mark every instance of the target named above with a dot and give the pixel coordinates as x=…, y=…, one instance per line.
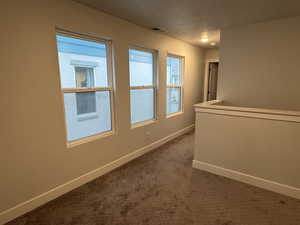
x=204, y=39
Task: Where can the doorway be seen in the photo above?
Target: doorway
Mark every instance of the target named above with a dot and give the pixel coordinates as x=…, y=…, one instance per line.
x=210, y=91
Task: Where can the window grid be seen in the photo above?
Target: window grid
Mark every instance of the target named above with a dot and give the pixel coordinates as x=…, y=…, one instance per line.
x=108, y=88
x=175, y=86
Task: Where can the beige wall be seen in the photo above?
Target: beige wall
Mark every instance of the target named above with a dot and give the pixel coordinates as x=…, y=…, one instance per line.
x=261, y=148
x=260, y=65
x=211, y=54
x=34, y=157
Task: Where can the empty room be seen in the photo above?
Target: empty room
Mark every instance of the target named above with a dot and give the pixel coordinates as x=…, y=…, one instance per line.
x=150, y=112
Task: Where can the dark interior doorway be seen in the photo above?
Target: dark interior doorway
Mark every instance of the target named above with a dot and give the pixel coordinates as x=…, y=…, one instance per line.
x=212, y=86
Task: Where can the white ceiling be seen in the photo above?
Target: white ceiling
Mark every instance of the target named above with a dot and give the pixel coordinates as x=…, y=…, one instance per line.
x=188, y=19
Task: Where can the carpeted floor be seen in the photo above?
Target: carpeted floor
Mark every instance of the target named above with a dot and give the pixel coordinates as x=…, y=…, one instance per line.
x=161, y=188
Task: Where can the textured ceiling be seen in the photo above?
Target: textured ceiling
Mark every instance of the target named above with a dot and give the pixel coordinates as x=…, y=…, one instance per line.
x=188, y=19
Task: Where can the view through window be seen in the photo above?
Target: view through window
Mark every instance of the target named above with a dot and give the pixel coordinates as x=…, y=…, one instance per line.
x=142, y=85
x=86, y=85
x=174, y=84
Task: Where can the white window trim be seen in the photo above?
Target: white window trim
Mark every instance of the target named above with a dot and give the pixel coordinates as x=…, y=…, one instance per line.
x=110, y=88
x=81, y=63
x=71, y=144
x=143, y=123
x=175, y=114
x=181, y=86
x=154, y=86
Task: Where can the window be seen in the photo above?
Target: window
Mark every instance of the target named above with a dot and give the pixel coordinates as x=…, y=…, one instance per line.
x=86, y=82
x=174, y=84
x=142, y=69
x=84, y=77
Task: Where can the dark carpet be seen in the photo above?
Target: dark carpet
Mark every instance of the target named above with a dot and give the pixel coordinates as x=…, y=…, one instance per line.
x=161, y=188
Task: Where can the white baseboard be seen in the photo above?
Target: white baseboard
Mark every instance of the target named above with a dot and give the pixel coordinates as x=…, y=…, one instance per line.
x=252, y=180
x=39, y=200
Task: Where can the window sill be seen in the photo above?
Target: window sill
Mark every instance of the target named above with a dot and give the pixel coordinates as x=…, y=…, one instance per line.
x=174, y=114
x=72, y=144
x=143, y=123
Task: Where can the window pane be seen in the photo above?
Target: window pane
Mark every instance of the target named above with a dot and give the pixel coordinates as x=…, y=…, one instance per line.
x=142, y=107
x=87, y=114
x=141, y=68
x=86, y=102
x=77, y=57
x=173, y=71
x=173, y=100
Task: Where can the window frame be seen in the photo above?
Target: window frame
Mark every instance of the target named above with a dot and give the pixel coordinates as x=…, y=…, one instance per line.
x=154, y=86
x=110, y=86
x=180, y=86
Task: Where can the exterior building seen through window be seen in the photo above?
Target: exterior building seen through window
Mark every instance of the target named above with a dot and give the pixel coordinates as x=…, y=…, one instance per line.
x=86, y=82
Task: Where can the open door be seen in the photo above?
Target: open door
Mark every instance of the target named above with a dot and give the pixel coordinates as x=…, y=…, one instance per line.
x=212, y=81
